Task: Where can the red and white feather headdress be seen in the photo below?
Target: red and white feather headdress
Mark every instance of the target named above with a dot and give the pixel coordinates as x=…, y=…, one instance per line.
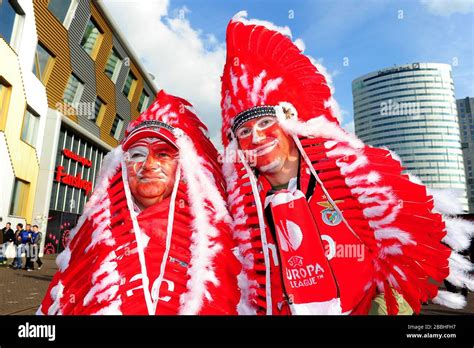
x=91, y=267
x=266, y=73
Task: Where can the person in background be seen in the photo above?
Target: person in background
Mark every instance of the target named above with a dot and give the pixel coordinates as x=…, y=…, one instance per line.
x=35, y=248
x=17, y=262
x=7, y=236
x=26, y=240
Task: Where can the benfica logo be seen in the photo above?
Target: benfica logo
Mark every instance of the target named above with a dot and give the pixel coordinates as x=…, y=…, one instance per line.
x=330, y=216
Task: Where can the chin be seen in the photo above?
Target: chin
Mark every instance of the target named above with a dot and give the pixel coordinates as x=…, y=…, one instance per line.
x=270, y=167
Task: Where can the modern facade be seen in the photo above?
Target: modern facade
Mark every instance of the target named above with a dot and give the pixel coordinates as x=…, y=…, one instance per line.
x=23, y=109
x=411, y=109
x=466, y=123
x=69, y=85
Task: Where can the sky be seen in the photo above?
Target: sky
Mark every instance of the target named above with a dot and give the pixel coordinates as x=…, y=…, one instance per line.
x=182, y=42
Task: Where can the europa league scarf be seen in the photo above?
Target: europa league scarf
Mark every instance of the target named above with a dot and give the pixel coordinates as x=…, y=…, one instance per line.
x=307, y=275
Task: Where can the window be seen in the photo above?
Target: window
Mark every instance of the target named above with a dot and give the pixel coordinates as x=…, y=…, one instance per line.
x=43, y=63
x=4, y=101
x=143, y=103
x=99, y=110
x=114, y=63
x=19, y=197
x=63, y=10
x=129, y=86
x=30, y=127
x=8, y=12
x=91, y=39
x=117, y=127
x=73, y=91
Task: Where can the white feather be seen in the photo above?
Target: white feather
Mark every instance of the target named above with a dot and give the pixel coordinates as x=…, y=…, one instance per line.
x=203, y=250
x=459, y=233
x=449, y=299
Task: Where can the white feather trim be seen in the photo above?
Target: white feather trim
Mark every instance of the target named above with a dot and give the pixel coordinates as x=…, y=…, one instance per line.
x=459, y=271
x=56, y=294
x=110, y=166
x=393, y=232
x=446, y=201
x=63, y=259
x=112, y=309
x=332, y=104
x=318, y=127
x=449, y=299
x=203, y=250
x=40, y=310
x=459, y=233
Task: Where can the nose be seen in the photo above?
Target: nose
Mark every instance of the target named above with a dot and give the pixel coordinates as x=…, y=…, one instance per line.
x=257, y=136
x=150, y=163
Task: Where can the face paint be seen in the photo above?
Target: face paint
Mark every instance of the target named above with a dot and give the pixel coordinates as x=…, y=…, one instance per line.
x=151, y=168
x=265, y=139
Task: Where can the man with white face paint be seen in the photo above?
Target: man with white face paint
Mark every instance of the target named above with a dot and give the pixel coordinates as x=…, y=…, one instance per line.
x=154, y=237
x=325, y=224
x=151, y=167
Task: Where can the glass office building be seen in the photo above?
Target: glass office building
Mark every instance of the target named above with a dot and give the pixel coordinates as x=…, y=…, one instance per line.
x=466, y=123
x=411, y=109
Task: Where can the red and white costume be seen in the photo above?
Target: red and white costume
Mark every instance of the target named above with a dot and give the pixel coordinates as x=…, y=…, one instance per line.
x=300, y=263
x=173, y=257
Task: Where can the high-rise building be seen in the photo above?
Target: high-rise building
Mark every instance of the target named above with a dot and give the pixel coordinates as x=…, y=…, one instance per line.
x=466, y=123
x=411, y=109
x=69, y=85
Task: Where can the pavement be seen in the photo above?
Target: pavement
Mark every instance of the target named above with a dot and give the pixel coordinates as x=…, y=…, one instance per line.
x=21, y=292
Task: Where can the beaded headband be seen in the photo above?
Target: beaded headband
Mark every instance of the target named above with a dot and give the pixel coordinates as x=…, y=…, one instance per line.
x=152, y=123
x=249, y=114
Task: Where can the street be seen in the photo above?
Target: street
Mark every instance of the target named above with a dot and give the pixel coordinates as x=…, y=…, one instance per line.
x=21, y=292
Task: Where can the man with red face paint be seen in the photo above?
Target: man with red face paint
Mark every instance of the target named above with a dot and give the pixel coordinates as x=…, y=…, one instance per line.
x=324, y=223
x=151, y=168
x=154, y=237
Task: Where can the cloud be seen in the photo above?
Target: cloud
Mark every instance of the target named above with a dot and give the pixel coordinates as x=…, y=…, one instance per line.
x=448, y=7
x=185, y=61
x=242, y=17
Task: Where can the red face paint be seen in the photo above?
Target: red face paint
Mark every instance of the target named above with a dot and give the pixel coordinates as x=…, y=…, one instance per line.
x=265, y=139
x=151, y=168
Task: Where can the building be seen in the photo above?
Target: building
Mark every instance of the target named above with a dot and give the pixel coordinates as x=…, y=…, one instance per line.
x=70, y=84
x=23, y=109
x=411, y=109
x=466, y=123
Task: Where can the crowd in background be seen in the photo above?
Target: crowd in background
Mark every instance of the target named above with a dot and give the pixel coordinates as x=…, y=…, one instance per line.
x=24, y=241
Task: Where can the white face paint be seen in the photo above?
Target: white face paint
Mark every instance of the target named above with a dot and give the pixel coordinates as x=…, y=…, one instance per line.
x=271, y=167
x=137, y=154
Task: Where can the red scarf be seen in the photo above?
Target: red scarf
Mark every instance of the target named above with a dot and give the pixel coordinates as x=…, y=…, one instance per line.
x=324, y=267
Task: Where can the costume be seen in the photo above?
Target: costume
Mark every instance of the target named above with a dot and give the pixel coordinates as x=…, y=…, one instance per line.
x=170, y=257
x=349, y=225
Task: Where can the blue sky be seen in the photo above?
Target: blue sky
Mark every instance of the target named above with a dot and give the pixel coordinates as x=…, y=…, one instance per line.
x=368, y=34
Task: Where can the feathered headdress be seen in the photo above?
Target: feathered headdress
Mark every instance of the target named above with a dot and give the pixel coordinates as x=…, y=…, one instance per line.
x=267, y=74
x=104, y=264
